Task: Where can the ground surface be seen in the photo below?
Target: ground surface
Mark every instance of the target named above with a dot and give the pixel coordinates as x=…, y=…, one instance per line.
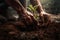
x=14, y=31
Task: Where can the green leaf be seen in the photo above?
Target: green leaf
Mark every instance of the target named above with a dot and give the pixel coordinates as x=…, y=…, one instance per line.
x=29, y=8
x=35, y=7
x=32, y=8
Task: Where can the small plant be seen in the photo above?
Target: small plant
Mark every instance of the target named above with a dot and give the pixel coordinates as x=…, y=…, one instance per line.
x=33, y=10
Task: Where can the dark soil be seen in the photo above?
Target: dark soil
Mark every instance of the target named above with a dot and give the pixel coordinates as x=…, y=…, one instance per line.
x=18, y=31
